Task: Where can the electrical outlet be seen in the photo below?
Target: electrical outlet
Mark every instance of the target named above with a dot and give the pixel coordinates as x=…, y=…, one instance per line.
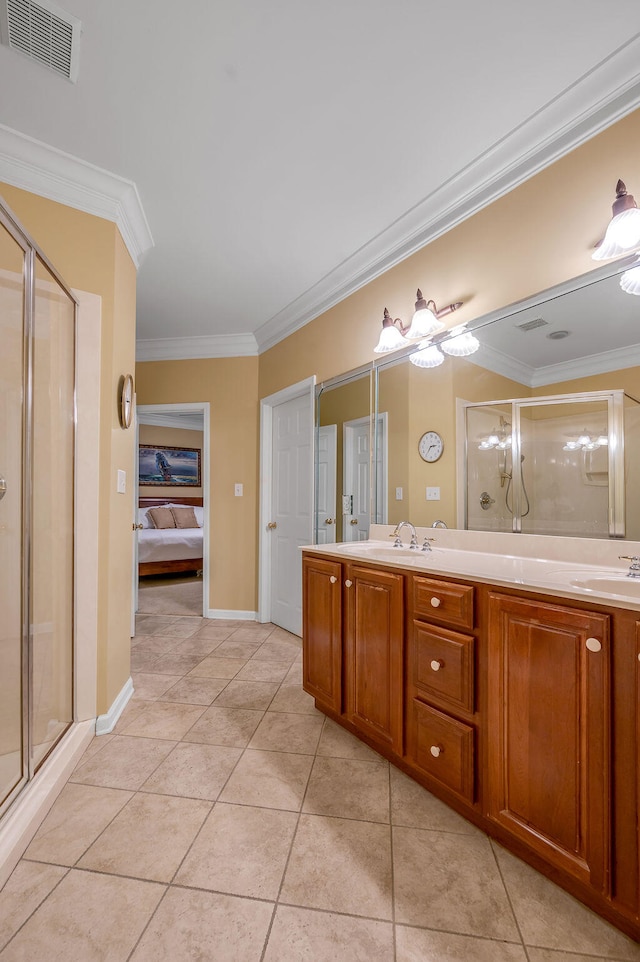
x=433, y=494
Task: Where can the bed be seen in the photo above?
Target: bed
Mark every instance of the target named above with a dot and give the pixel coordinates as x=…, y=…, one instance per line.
x=169, y=550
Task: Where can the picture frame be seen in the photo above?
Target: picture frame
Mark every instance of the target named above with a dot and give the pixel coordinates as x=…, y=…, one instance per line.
x=165, y=466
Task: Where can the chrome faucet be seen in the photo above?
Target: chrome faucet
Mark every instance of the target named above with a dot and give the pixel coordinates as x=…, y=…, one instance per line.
x=414, y=538
x=634, y=567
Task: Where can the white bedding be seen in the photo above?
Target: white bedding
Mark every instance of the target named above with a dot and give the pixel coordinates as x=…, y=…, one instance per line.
x=169, y=544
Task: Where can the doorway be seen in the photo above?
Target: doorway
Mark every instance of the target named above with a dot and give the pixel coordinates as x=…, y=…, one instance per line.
x=171, y=544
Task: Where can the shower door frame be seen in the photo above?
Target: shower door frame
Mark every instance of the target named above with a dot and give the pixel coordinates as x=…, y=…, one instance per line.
x=615, y=429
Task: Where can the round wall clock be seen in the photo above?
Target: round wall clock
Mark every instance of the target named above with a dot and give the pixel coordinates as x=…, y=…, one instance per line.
x=125, y=400
x=430, y=446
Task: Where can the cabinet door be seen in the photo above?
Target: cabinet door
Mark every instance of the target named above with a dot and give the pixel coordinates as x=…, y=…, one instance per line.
x=548, y=732
x=374, y=653
x=322, y=631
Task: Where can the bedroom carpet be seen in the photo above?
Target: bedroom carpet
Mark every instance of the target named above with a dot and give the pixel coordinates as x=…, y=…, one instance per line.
x=171, y=599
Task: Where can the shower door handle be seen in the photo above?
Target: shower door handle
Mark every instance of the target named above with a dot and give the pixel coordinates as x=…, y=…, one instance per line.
x=3, y=488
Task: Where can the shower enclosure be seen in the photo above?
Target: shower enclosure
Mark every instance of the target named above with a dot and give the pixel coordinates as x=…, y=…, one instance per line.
x=37, y=426
x=552, y=465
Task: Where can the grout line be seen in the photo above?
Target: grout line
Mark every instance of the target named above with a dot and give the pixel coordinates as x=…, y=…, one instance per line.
x=509, y=899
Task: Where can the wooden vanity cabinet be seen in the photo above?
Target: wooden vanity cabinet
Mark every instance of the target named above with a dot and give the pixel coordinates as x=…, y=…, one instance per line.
x=322, y=631
x=548, y=732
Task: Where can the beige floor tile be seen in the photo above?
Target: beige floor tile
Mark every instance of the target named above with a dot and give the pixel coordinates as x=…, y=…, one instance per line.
x=269, y=780
x=337, y=742
x=279, y=634
x=150, y=686
x=143, y=660
x=194, y=690
x=241, y=850
x=232, y=648
x=549, y=955
x=97, y=743
x=252, y=631
x=88, y=918
x=177, y=628
x=134, y=708
x=247, y=694
x=164, y=720
x=213, y=631
x=276, y=651
x=550, y=918
x=290, y=698
x=303, y=935
x=294, y=675
x=77, y=817
x=280, y=732
x=419, y=945
x=263, y=671
x=125, y=762
x=156, y=645
x=149, y=838
x=414, y=807
x=214, y=667
x=340, y=865
x=27, y=886
x=348, y=788
x=225, y=726
x=205, y=926
x=197, y=645
x=150, y=623
x=193, y=771
x=450, y=882
x=175, y=663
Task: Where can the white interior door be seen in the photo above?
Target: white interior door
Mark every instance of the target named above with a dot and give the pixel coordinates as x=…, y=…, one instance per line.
x=326, y=484
x=289, y=522
x=356, y=513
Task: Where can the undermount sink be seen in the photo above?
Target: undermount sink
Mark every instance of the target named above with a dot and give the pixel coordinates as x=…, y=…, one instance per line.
x=614, y=586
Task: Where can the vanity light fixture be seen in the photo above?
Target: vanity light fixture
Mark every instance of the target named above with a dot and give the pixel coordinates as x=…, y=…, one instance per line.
x=586, y=442
x=623, y=232
x=391, y=336
x=630, y=280
x=462, y=343
x=425, y=320
x=500, y=438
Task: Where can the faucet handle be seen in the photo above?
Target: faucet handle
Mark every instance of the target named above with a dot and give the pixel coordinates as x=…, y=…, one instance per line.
x=425, y=544
x=634, y=567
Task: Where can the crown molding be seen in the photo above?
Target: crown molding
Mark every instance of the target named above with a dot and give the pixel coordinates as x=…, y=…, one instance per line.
x=189, y=348
x=590, y=105
x=185, y=422
x=48, y=172
x=615, y=360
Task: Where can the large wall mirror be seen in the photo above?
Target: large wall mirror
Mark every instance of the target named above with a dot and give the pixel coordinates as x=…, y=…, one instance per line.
x=553, y=389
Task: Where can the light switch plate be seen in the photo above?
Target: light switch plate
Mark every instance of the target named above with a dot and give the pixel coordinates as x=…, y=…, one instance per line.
x=121, y=486
x=398, y=494
x=238, y=491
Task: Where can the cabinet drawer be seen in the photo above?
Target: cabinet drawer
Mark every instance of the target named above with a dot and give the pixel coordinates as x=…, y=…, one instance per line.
x=442, y=665
x=443, y=748
x=443, y=601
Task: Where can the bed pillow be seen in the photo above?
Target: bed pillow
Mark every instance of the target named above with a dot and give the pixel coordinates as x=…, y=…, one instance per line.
x=199, y=513
x=161, y=517
x=144, y=519
x=184, y=517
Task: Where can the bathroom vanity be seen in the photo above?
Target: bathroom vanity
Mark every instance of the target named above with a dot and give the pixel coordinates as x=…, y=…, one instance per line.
x=506, y=685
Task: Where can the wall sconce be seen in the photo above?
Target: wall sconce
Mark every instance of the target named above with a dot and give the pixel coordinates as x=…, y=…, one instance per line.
x=425, y=322
x=623, y=233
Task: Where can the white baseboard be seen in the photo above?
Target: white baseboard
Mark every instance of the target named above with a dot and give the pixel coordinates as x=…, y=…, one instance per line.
x=106, y=723
x=232, y=615
x=23, y=819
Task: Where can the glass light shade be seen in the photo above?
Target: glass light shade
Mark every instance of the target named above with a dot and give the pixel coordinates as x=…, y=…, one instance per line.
x=504, y=444
x=390, y=340
x=424, y=323
x=570, y=446
x=427, y=357
x=485, y=445
x=630, y=280
x=584, y=439
x=460, y=345
x=622, y=236
x=493, y=440
x=603, y=440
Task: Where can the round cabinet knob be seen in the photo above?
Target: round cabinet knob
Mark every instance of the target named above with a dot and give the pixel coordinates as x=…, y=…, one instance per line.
x=435, y=750
x=639, y=656
x=593, y=644
x=435, y=602
x=437, y=665
x=333, y=579
x=348, y=583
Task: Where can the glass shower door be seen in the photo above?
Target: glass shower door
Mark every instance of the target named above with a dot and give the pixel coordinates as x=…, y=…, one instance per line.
x=13, y=729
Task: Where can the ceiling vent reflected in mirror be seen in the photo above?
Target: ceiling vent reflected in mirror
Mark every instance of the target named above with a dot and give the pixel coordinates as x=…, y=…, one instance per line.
x=533, y=324
x=44, y=33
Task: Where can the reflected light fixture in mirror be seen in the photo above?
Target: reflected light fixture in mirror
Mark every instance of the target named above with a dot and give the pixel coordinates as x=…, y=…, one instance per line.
x=462, y=343
x=391, y=335
x=630, y=280
x=427, y=356
x=623, y=233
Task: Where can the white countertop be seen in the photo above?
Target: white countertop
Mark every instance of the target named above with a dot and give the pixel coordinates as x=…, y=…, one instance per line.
x=455, y=554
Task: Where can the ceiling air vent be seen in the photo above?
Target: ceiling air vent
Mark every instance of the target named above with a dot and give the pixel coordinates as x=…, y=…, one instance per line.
x=43, y=32
x=532, y=325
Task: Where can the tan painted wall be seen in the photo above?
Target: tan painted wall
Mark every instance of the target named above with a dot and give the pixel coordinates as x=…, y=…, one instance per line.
x=230, y=385
x=174, y=438
x=90, y=255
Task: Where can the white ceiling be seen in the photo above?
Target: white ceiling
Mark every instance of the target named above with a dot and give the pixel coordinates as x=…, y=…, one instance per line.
x=285, y=153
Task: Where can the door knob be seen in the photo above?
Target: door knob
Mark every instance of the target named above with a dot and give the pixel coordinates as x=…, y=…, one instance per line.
x=353, y=521
x=137, y=527
x=272, y=524
x=3, y=488
x=328, y=520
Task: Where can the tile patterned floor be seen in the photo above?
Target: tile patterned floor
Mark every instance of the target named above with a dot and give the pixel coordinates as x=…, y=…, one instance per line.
x=226, y=819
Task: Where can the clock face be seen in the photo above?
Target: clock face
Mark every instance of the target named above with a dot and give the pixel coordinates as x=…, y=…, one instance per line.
x=430, y=446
